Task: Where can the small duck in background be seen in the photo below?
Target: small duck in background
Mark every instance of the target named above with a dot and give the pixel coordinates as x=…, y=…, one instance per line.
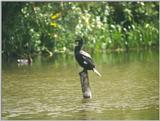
x=25, y=61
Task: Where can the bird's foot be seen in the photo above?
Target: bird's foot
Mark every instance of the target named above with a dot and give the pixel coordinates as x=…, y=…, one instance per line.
x=83, y=73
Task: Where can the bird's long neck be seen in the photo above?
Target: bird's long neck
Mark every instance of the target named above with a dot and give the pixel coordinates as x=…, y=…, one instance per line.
x=78, y=48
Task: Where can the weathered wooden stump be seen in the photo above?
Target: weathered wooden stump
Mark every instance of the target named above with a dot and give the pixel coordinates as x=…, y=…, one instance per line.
x=85, y=84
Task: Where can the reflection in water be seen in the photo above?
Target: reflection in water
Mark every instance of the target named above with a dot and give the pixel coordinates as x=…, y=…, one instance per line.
x=85, y=108
x=50, y=88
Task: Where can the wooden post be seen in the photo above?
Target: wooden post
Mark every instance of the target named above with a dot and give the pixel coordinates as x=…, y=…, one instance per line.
x=85, y=84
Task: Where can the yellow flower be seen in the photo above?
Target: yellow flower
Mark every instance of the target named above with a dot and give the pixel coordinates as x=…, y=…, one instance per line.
x=53, y=24
x=55, y=16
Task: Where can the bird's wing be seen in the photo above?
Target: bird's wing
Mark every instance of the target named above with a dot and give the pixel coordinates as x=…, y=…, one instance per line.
x=87, y=58
x=85, y=54
x=85, y=62
x=88, y=61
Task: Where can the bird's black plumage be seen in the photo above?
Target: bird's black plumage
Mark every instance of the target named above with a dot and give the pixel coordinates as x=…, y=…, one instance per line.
x=83, y=58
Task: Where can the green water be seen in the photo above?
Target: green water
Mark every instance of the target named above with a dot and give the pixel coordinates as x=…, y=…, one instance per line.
x=50, y=88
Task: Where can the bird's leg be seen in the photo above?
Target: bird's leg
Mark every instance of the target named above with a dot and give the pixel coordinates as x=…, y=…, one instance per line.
x=80, y=72
x=83, y=71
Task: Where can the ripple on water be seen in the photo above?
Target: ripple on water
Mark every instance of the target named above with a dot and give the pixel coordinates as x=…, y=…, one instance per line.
x=45, y=92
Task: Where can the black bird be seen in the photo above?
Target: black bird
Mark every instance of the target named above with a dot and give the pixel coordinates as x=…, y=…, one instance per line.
x=83, y=58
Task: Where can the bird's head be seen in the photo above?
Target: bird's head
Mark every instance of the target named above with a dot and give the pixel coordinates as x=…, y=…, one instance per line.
x=79, y=42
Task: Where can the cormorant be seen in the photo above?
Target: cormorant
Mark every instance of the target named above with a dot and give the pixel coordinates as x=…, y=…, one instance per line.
x=83, y=58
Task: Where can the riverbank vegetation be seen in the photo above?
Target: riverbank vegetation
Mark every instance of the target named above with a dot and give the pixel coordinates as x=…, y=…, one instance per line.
x=31, y=28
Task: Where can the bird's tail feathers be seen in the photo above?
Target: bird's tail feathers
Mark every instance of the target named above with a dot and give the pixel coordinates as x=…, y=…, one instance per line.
x=94, y=69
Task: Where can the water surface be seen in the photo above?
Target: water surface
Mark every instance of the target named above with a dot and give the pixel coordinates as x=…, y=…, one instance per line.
x=50, y=88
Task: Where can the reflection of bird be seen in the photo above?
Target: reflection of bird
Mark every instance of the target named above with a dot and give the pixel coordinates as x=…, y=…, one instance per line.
x=83, y=58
